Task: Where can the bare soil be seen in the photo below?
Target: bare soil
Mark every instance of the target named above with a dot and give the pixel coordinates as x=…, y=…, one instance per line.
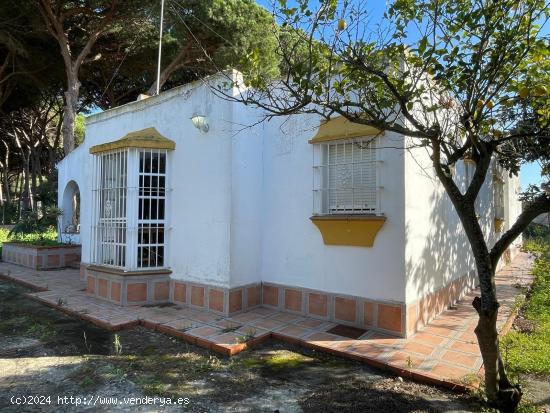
x=46, y=353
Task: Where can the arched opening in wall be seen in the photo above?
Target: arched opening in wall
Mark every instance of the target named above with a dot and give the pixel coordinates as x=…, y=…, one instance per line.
x=70, y=219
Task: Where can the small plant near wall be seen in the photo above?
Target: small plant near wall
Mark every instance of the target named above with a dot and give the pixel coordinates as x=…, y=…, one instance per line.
x=246, y=337
x=117, y=345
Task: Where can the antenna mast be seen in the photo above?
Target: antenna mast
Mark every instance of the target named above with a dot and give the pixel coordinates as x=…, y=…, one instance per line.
x=160, y=44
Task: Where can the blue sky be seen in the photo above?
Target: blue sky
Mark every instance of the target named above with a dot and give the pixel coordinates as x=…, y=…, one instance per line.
x=530, y=174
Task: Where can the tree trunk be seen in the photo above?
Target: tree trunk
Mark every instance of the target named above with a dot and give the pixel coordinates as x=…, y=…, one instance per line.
x=177, y=62
x=18, y=186
x=34, y=172
x=26, y=195
x=2, y=189
x=5, y=174
x=501, y=394
x=69, y=112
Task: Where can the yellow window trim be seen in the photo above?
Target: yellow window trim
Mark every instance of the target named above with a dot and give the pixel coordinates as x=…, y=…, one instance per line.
x=148, y=138
x=351, y=230
x=341, y=128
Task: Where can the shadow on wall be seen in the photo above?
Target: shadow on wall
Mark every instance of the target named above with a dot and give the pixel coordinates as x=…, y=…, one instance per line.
x=440, y=263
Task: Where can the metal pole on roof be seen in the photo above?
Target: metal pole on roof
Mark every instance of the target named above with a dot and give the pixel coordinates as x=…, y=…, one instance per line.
x=160, y=44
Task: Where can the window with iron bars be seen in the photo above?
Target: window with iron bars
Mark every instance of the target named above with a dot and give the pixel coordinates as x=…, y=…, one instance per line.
x=130, y=209
x=346, y=177
x=151, y=208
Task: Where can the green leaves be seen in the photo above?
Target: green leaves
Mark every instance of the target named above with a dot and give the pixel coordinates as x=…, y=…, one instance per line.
x=422, y=45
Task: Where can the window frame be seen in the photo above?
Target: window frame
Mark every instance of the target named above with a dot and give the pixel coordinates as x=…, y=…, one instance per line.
x=321, y=179
x=110, y=240
x=133, y=195
x=159, y=223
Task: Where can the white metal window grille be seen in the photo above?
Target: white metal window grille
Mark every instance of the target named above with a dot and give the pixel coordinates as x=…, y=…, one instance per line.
x=110, y=194
x=151, y=208
x=129, y=209
x=346, y=178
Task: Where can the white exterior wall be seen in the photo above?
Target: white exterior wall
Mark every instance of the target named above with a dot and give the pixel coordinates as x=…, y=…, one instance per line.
x=293, y=252
x=513, y=208
x=437, y=250
x=75, y=168
x=246, y=198
x=240, y=200
x=198, y=178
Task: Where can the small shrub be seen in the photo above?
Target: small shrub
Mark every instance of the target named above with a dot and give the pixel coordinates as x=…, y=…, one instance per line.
x=245, y=338
x=31, y=222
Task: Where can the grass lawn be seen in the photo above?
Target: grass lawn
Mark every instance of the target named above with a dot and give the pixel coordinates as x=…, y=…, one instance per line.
x=526, y=348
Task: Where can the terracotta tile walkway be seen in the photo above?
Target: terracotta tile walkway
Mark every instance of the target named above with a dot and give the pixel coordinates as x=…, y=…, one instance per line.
x=445, y=352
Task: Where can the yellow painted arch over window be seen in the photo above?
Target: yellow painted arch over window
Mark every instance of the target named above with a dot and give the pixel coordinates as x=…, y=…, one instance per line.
x=341, y=128
x=148, y=138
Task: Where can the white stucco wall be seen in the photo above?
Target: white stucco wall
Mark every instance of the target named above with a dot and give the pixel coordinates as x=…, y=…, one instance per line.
x=240, y=200
x=73, y=168
x=513, y=209
x=437, y=250
x=293, y=252
x=247, y=187
x=198, y=176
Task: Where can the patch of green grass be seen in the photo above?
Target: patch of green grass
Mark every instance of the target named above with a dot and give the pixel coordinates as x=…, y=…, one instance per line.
x=112, y=372
x=529, y=352
x=277, y=362
x=152, y=386
x=4, y=233
x=286, y=361
x=87, y=382
x=42, y=331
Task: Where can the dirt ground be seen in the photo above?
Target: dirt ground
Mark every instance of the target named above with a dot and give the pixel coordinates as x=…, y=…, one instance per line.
x=46, y=353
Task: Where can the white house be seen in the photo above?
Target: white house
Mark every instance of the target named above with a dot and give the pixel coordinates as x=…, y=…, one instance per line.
x=181, y=202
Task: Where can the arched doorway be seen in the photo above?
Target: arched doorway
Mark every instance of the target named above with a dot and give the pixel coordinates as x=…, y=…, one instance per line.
x=70, y=219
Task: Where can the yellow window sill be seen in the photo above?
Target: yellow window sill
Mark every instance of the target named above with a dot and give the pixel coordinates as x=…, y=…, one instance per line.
x=499, y=224
x=351, y=230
